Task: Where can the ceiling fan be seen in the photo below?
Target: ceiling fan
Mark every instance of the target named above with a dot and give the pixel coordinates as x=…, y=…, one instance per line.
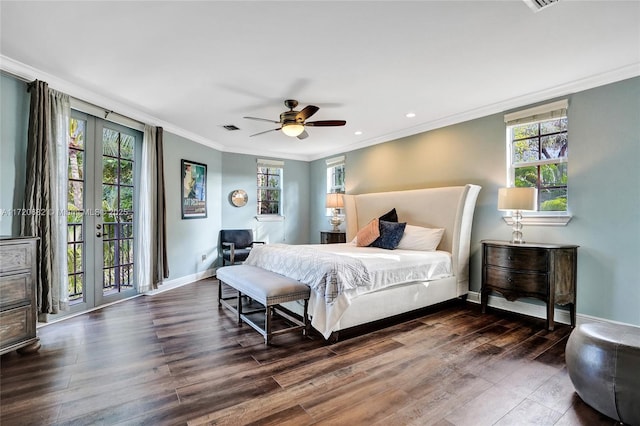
x=292, y=123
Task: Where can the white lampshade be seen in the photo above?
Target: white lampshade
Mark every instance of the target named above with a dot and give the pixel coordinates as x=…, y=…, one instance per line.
x=335, y=201
x=293, y=129
x=523, y=199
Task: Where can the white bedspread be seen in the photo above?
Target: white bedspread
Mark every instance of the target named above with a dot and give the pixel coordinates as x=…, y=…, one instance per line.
x=327, y=274
x=362, y=270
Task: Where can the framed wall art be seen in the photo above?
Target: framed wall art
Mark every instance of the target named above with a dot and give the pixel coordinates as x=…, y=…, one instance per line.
x=194, y=189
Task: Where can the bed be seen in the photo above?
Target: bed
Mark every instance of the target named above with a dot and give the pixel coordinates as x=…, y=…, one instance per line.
x=352, y=286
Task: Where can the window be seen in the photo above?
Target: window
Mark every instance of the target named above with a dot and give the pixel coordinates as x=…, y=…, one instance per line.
x=269, y=174
x=538, y=153
x=335, y=178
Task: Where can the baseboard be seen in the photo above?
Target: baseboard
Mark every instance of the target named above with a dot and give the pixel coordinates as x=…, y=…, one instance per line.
x=539, y=311
x=179, y=282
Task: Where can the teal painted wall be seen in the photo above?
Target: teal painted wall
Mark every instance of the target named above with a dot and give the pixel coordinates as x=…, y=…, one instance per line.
x=189, y=239
x=239, y=172
x=604, y=192
x=14, y=117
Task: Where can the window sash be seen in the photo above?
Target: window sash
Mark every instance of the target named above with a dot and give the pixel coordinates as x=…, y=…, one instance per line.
x=550, y=111
x=268, y=190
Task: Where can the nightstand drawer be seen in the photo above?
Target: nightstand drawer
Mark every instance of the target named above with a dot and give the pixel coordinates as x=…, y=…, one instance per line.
x=15, y=257
x=15, y=325
x=510, y=281
x=15, y=290
x=521, y=258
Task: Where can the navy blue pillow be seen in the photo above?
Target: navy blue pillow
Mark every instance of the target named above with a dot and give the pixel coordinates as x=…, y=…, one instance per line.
x=390, y=235
x=390, y=216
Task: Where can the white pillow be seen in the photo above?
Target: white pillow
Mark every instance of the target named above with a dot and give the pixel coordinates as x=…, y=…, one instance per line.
x=420, y=238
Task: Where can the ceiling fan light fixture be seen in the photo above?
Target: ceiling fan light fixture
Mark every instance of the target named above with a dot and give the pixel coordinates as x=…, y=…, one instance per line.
x=293, y=129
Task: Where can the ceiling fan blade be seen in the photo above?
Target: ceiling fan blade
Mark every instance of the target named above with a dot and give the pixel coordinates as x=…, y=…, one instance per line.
x=307, y=112
x=266, y=131
x=262, y=119
x=303, y=135
x=326, y=123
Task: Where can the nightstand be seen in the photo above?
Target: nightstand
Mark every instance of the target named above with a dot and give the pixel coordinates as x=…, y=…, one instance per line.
x=18, y=285
x=542, y=271
x=332, y=237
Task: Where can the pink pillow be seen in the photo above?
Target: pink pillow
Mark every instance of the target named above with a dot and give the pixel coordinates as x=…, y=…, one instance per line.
x=368, y=234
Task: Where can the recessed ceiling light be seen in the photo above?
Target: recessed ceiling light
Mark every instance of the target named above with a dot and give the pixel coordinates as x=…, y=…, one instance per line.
x=410, y=114
x=358, y=132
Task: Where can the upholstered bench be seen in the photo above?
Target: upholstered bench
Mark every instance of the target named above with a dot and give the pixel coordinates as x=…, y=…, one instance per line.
x=603, y=361
x=267, y=288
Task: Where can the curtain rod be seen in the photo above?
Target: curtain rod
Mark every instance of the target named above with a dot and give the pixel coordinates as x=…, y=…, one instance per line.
x=89, y=107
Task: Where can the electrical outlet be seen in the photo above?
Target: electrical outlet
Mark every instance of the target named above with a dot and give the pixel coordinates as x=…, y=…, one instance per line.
x=204, y=256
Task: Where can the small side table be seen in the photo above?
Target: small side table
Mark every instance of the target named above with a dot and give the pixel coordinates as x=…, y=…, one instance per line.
x=542, y=271
x=332, y=237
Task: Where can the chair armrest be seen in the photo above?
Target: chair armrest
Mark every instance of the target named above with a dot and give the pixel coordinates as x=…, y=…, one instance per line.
x=232, y=254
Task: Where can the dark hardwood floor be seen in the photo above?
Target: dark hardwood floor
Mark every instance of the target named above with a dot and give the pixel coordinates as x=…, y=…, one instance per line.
x=176, y=358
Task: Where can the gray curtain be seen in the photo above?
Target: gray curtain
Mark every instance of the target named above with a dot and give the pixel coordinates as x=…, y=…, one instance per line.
x=161, y=269
x=45, y=193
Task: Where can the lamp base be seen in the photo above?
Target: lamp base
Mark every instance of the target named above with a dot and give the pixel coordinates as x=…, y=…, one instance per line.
x=516, y=235
x=335, y=221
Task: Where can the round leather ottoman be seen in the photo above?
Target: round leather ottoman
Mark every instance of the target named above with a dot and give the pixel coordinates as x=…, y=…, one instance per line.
x=603, y=361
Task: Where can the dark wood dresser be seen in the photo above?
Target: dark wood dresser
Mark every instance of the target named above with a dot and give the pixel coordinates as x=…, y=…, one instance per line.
x=332, y=237
x=542, y=271
x=18, y=282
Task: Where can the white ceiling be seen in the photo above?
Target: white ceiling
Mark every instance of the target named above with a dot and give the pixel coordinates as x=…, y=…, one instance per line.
x=193, y=67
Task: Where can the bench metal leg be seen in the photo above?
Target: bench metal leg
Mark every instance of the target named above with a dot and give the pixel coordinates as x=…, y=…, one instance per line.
x=239, y=309
x=305, y=318
x=267, y=325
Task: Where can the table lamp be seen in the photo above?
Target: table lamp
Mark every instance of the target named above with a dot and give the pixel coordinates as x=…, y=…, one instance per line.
x=335, y=202
x=517, y=200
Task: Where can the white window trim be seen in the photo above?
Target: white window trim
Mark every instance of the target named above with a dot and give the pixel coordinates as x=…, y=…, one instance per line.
x=546, y=220
x=530, y=115
x=262, y=162
x=269, y=218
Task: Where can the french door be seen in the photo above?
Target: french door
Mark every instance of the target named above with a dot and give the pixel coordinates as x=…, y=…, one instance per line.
x=101, y=211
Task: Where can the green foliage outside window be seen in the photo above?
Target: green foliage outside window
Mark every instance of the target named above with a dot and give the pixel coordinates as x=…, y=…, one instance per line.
x=535, y=147
x=269, y=182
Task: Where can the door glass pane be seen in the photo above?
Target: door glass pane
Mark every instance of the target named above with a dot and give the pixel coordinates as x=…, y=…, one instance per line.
x=110, y=142
x=118, y=201
x=75, y=210
x=126, y=172
x=127, y=145
x=109, y=170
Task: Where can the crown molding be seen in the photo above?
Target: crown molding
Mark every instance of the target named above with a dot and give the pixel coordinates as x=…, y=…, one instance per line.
x=623, y=73
x=28, y=73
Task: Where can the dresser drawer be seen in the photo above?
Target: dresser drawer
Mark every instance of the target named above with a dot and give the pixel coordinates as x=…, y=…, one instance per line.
x=15, y=257
x=16, y=325
x=521, y=258
x=523, y=283
x=15, y=290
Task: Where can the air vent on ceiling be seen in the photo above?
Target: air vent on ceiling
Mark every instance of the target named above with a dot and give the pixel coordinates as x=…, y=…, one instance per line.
x=536, y=5
x=231, y=127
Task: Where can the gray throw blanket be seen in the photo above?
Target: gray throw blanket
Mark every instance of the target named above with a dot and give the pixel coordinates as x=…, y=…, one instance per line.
x=328, y=274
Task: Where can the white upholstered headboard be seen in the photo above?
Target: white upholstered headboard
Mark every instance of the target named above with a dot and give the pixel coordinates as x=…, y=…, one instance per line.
x=450, y=208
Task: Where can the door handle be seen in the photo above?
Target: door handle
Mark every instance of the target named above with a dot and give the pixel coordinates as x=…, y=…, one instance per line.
x=98, y=234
